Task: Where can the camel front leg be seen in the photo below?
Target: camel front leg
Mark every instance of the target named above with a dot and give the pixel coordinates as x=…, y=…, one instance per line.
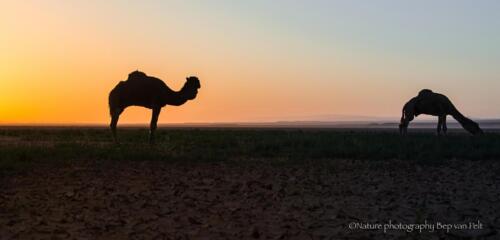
x=154, y=123
x=114, y=122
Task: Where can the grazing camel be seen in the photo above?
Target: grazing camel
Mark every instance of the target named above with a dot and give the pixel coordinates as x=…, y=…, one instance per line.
x=435, y=104
x=149, y=92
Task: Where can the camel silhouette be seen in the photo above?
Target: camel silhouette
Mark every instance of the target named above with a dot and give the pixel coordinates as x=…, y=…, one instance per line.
x=435, y=104
x=149, y=92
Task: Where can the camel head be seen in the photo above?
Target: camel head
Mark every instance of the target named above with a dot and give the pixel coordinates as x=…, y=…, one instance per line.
x=191, y=87
x=473, y=128
x=403, y=125
x=403, y=129
x=408, y=114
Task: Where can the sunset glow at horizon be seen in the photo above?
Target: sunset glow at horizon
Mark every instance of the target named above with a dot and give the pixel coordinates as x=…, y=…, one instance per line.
x=257, y=61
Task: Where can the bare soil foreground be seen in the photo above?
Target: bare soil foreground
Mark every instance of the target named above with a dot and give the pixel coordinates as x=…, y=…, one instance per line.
x=74, y=183
x=155, y=200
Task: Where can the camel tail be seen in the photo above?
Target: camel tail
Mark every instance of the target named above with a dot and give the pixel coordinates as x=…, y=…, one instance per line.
x=114, y=98
x=466, y=123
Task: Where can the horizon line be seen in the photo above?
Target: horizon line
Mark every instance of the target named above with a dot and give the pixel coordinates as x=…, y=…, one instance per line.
x=380, y=121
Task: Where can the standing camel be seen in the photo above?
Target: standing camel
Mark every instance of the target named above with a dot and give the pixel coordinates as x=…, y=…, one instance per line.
x=435, y=104
x=149, y=92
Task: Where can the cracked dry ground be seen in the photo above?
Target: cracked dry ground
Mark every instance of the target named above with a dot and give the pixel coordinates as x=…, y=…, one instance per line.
x=154, y=200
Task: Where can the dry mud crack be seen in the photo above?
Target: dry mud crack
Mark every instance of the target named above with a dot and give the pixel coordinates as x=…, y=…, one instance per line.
x=151, y=200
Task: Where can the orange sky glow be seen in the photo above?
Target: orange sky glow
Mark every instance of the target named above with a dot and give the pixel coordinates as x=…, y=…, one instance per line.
x=60, y=59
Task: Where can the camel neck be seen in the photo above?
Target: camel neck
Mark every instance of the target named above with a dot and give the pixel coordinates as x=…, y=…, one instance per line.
x=176, y=98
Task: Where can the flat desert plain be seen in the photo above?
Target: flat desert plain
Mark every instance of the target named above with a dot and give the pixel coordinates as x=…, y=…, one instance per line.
x=75, y=183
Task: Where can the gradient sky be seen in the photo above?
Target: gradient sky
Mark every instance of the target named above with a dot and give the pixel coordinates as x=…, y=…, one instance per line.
x=257, y=60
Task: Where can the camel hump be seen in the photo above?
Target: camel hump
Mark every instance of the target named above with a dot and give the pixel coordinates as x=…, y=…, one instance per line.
x=136, y=75
x=425, y=92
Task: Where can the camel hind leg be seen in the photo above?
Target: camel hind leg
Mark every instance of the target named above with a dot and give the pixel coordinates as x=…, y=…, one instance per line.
x=442, y=125
x=445, y=128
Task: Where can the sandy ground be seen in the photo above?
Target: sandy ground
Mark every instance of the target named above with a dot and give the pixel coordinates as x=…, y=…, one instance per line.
x=153, y=200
